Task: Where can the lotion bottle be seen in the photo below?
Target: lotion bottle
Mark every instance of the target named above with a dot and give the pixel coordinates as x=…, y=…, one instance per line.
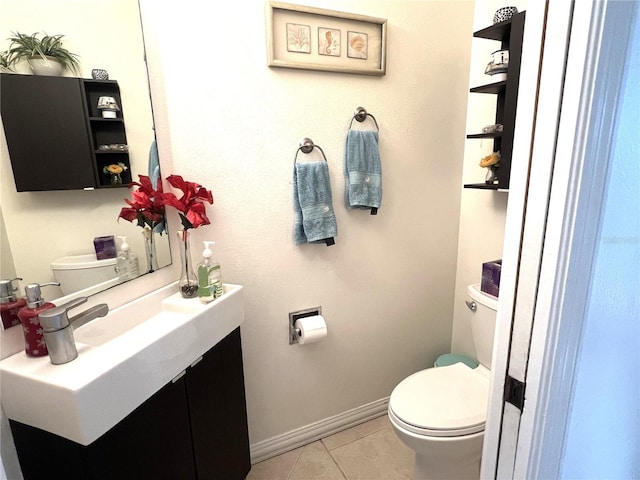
x=209, y=276
x=127, y=262
x=34, y=343
x=10, y=304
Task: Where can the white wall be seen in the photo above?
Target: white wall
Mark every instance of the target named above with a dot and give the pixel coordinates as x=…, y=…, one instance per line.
x=482, y=212
x=386, y=287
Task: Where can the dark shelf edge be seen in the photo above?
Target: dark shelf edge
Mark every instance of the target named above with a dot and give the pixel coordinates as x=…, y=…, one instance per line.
x=497, y=31
x=495, y=87
x=485, y=135
x=481, y=186
x=101, y=119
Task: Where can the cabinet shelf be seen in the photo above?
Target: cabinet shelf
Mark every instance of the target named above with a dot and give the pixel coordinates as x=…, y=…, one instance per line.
x=498, y=31
x=496, y=87
x=510, y=34
x=69, y=132
x=485, y=135
x=106, y=120
x=485, y=186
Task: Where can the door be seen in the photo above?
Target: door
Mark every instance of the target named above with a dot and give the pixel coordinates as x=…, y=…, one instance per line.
x=583, y=69
x=46, y=128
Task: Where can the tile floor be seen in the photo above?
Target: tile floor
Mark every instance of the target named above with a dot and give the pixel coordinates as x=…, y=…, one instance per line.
x=369, y=451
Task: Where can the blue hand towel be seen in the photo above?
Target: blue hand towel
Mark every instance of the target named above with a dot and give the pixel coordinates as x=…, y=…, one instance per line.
x=363, y=170
x=314, y=218
x=154, y=176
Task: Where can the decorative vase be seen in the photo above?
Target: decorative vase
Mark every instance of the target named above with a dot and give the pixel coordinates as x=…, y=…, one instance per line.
x=45, y=66
x=99, y=74
x=188, y=284
x=491, y=178
x=150, y=249
x=116, y=179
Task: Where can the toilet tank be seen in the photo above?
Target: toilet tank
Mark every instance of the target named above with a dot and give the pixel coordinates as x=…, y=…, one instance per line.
x=77, y=272
x=483, y=322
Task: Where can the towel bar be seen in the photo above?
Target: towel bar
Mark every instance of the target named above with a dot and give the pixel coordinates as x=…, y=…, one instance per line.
x=361, y=115
x=307, y=145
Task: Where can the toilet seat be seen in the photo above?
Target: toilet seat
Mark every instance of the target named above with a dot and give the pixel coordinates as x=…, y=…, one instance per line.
x=442, y=402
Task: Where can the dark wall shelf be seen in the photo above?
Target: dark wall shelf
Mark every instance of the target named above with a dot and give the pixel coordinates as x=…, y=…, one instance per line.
x=485, y=135
x=510, y=34
x=53, y=129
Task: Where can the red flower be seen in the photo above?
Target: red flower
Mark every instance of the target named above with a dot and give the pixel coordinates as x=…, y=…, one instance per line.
x=146, y=204
x=190, y=206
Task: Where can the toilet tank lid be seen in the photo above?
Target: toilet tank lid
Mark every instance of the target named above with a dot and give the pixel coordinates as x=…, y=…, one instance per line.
x=481, y=297
x=77, y=262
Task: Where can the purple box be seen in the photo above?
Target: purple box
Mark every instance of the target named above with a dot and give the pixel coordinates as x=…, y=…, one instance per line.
x=105, y=247
x=491, y=277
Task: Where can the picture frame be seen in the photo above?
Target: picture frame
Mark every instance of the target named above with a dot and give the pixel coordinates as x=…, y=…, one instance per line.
x=312, y=38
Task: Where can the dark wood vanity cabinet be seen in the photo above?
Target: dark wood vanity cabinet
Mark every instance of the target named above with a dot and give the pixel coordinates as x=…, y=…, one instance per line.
x=54, y=132
x=193, y=428
x=510, y=35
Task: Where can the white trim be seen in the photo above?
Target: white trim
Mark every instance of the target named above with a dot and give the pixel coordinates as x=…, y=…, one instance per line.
x=523, y=135
x=588, y=109
x=310, y=433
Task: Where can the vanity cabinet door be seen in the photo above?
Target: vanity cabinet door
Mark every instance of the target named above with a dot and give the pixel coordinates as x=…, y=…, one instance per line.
x=218, y=410
x=153, y=442
x=46, y=130
x=194, y=427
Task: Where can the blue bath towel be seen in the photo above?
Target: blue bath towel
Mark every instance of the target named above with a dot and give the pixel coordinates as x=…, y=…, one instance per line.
x=363, y=170
x=314, y=219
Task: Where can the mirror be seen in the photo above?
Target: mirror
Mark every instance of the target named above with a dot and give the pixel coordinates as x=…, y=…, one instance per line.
x=39, y=228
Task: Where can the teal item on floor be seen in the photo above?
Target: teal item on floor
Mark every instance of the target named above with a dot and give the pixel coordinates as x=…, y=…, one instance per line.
x=451, y=358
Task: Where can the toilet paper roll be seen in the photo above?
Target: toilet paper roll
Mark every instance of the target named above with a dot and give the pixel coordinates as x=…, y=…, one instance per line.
x=311, y=329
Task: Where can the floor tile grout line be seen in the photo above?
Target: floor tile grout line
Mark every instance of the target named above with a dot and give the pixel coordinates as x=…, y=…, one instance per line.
x=356, y=439
x=335, y=460
x=293, y=467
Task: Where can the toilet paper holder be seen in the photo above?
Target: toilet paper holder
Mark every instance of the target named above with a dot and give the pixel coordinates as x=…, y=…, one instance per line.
x=294, y=333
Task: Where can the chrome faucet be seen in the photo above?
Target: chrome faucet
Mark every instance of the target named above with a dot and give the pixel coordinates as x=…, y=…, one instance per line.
x=58, y=332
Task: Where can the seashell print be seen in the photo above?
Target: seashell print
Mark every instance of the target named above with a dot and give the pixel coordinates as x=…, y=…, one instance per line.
x=357, y=43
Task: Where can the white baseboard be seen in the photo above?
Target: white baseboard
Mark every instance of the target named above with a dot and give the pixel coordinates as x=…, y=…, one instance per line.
x=310, y=433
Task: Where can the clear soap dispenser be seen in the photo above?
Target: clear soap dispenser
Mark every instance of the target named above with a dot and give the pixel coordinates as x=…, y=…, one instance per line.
x=127, y=266
x=209, y=276
x=34, y=343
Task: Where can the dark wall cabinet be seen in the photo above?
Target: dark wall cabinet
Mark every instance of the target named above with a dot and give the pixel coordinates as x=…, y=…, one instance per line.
x=510, y=34
x=54, y=132
x=193, y=428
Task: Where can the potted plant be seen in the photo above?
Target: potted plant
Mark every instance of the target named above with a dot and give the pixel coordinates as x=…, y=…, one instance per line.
x=5, y=62
x=45, y=54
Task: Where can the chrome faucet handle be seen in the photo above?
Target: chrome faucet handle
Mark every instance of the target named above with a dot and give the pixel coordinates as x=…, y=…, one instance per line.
x=89, y=314
x=57, y=318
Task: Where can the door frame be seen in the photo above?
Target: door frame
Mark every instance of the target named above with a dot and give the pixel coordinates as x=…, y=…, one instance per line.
x=539, y=318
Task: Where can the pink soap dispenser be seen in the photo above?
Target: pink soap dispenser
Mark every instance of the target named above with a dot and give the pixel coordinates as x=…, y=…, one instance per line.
x=34, y=343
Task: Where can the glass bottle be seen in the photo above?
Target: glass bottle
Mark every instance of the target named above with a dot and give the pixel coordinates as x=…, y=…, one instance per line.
x=188, y=284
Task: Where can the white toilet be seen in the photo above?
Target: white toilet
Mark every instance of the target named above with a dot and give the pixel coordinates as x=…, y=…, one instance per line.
x=440, y=412
x=77, y=272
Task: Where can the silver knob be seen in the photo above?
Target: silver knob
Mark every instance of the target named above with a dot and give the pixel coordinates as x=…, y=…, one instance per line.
x=472, y=305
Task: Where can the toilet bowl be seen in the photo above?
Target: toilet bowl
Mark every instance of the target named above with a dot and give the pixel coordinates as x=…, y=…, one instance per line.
x=77, y=272
x=440, y=412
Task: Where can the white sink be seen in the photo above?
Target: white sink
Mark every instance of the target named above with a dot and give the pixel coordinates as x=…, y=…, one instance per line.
x=123, y=359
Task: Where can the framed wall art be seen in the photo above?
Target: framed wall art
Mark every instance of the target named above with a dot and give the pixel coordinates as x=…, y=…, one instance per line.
x=316, y=39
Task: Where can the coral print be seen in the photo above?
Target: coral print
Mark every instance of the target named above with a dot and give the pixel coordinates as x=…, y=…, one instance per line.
x=298, y=38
